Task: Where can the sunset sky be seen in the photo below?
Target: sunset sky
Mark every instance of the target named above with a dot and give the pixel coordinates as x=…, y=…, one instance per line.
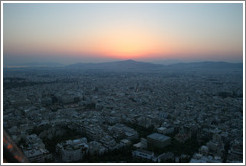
x=99, y=32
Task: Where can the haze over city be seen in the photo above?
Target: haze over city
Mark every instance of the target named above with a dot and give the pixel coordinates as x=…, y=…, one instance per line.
x=99, y=32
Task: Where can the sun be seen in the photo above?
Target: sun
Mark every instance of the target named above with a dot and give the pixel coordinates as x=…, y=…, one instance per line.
x=127, y=45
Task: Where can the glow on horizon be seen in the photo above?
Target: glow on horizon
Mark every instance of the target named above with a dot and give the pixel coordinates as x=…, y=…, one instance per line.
x=122, y=31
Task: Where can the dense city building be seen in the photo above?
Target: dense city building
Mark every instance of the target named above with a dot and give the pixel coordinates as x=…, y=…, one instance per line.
x=158, y=116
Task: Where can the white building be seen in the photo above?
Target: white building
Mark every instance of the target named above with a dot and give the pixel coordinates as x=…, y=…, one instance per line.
x=143, y=154
x=158, y=140
x=37, y=155
x=72, y=150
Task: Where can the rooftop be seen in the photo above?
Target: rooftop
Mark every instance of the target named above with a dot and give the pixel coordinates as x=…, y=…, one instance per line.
x=144, y=151
x=157, y=136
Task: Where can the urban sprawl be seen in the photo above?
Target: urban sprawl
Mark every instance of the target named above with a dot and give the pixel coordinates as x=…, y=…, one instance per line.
x=97, y=116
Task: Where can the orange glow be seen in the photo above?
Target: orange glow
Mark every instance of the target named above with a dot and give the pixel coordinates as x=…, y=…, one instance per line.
x=123, y=42
x=10, y=146
x=127, y=43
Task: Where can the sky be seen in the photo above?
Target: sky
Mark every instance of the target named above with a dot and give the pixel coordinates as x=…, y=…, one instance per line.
x=99, y=32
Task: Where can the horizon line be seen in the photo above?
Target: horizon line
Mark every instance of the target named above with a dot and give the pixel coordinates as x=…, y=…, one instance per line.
x=48, y=64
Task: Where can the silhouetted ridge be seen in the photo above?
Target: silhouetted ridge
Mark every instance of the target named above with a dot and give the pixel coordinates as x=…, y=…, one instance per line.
x=131, y=65
x=117, y=65
x=208, y=65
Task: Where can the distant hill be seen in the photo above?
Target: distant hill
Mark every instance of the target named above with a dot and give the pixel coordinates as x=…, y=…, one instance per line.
x=207, y=65
x=136, y=66
x=117, y=66
x=35, y=64
x=131, y=65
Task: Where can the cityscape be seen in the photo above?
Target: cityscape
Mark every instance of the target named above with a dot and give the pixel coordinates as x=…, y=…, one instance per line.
x=170, y=114
x=123, y=82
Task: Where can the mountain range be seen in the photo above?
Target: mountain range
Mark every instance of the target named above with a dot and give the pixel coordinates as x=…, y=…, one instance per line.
x=131, y=65
x=136, y=65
